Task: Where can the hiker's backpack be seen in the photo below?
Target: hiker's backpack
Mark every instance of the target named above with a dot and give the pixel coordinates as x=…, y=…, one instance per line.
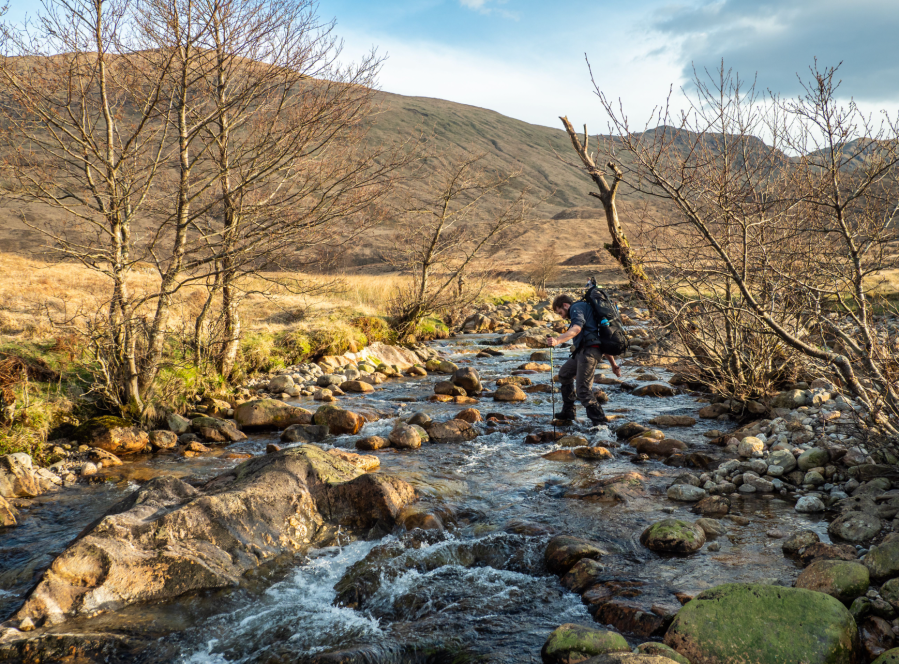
x=612, y=337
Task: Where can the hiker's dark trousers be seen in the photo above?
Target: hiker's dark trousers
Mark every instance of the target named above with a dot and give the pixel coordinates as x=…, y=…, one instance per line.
x=576, y=376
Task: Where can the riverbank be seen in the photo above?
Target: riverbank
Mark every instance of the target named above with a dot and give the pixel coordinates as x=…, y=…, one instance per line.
x=515, y=530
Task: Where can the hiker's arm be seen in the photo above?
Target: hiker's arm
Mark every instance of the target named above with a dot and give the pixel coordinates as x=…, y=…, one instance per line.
x=615, y=368
x=572, y=332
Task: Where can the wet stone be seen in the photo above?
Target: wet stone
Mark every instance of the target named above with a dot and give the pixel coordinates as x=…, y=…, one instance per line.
x=564, y=551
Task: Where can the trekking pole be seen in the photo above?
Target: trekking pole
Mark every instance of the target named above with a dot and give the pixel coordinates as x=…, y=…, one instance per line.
x=552, y=388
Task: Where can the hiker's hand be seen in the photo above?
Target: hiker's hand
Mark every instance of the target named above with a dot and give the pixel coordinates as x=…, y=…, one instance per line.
x=552, y=341
x=616, y=370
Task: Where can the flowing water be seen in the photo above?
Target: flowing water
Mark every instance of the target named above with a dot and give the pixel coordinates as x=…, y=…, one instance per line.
x=477, y=592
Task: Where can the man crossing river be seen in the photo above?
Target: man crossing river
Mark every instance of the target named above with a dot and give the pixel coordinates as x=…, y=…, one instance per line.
x=576, y=375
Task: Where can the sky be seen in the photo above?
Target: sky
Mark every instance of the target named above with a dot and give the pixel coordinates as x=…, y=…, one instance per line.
x=526, y=59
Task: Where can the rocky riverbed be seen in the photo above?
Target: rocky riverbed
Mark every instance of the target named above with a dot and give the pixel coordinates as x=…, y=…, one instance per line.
x=416, y=504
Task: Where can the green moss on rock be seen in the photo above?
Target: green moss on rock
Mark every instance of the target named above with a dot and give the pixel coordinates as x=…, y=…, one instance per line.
x=738, y=623
x=574, y=643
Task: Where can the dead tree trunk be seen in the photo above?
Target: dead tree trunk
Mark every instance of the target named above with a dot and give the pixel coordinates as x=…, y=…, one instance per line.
x=619, y=247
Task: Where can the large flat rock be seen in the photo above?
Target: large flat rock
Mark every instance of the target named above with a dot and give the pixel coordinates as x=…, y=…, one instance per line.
x=169, y=538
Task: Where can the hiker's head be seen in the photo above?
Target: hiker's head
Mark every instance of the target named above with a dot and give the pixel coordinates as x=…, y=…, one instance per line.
x=562, y=304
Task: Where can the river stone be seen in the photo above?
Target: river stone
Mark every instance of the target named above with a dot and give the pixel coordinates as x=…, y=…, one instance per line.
x=572, y=441
x=338, y=420
x=673, y=421
x=630, y=429
x=452, y=431
x=304, y=433
x=712, y=506
x=521, y=381
x=628, y=658
x=592, y=453
x=750, y=446
x=364, y=462
x=855, y=526
x=784, y=459
x=654, y=390
x=215, y=430
x=890, y=592
x=112, y=434
x=449, y=389
x=169, y=538
x=162, y=440
x=837, y=578
x=883, y=561
x=660, y=649
x=673, y=536
x=177, y=423
x=745, y=622
x=509, y=393
x=799, y=541
x=468, y=379
x=8, y=514
x=583, y=575
x=17, y=476
x=270, y=414
x=570, y=643
x=564, y=551
x=330, y=380
x=405, y=436
x=280, y=384
x=813, y=458
x=419, y=418
x=711, y=527
x=470, y=415
x=889, y=657
x=809, y=504
x=446, y=367
x=356, y=386
x=686, y=493
x=662, y=448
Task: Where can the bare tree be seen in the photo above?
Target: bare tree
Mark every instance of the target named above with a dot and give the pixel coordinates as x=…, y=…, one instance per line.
x=445, y=232
x=773, y=246
x=545, y=266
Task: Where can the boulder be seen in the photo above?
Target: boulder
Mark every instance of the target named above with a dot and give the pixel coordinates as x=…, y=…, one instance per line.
x=744, y=622
x=855, y=526
x=838, y=578
x=809, y=505
x=593, y=453
x=712, y=506
x=330, y=380
x=629, y=430
x=673, y=536
x=364, y=462
x=217, y=431
x=889, y=657
x=372, y=443
x=628, y=658
x=449, y=389
x=509, y=393
x=521, y=381
x=584, y=574
x=270, y=414
x=572, y=441
x=570, y=643
x=654, y=390
x=468, y=379
x=883, y=561
x=713, y=410
x=162, y=440
x=452, y=431
x=304, y=433
x=112, y=434
x=356, y=386
x=447, y=367
x=405, y=436
x=673, y=421
x=564, y=551
x=711, y=527
x=169, y=538
x=338, y=420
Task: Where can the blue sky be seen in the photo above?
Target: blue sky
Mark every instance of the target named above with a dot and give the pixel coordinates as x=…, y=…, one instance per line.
x=525, y=58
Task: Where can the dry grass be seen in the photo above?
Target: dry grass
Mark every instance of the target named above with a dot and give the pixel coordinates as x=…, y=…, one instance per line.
x=33, y=292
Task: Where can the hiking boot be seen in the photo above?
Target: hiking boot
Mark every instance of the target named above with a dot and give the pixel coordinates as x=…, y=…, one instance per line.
x=567, y=414
x=596, y=414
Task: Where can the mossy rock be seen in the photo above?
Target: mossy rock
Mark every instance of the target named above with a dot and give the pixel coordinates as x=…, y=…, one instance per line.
x=883, y=561
x=745, y=622
x=673, y=536
x=655, y=648
x=842, y=579
x=889, y=657
x=564, y=551
x=112, y=434
x=574, y=643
